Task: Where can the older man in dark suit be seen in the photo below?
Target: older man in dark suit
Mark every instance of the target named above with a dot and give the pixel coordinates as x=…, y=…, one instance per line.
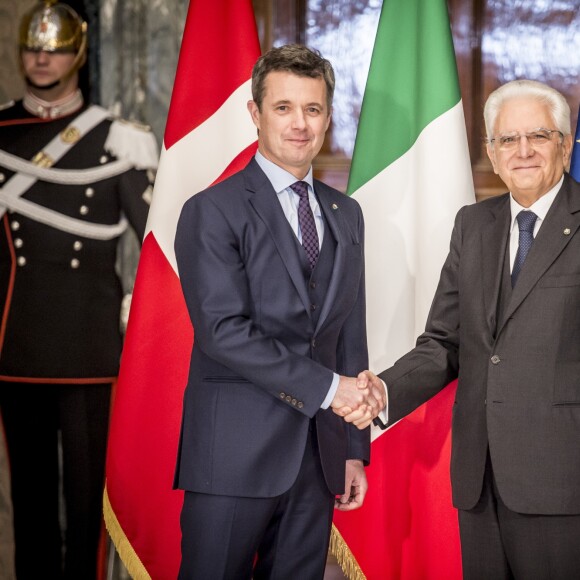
x=272, y=268
x=506, y=320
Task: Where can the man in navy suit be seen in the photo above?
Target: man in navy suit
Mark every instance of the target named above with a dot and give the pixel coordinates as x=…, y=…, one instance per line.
x=278, y=308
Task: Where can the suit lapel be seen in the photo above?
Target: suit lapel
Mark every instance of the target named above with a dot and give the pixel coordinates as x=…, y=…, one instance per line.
x=334, y=221
x=268, y=207
x=494, y=240
x=560, y=226
x=263, y=199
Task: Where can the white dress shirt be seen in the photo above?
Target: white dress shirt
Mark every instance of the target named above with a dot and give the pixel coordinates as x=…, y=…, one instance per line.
x=539, y=207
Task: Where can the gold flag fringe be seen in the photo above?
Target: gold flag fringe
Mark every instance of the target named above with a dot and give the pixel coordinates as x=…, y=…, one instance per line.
x=122, y=544
x=338, y=547
x=344, y=557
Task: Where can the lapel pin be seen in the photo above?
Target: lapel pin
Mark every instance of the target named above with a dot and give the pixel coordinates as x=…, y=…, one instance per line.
x=566, y=231
x=334, y=206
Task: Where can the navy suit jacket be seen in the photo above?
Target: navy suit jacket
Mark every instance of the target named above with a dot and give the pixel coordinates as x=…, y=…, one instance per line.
x=519, y=370
x=260, y=368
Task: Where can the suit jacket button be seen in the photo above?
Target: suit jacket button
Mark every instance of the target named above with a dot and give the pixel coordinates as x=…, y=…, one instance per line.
x=294, y=401
x=495, y=359
x=300, y=404
x=288, y=398
x=313, y=343
x=282, y=395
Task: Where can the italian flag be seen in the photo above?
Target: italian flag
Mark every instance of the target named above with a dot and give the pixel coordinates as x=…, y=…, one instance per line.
x=208, y=136
x=411, y=173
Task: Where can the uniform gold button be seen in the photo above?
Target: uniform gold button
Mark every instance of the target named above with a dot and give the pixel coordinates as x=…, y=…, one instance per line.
x=74, y=263
x=18, y=243
x=103, y=159
x=21, y=261
x=84, y=210
x=15, y=226
x=77, y=246
x=89, y=192
x=2, y=178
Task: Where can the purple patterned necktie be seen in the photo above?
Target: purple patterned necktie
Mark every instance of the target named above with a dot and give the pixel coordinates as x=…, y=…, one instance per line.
x=306, y=222
x=526, y=221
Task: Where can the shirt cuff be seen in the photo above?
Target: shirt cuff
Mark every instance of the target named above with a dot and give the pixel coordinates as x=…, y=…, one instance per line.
x=384, y=414
x=331, y=392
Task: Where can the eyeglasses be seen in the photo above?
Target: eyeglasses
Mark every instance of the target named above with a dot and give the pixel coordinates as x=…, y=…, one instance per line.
x=536, y=139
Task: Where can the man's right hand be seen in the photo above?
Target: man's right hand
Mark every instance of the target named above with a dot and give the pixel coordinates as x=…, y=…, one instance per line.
x=362, y=398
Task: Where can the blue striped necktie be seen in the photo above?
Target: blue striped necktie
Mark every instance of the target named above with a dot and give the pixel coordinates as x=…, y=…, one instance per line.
x=526, y=222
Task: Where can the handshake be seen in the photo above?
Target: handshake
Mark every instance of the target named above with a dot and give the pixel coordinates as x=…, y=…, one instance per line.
x=359, y=400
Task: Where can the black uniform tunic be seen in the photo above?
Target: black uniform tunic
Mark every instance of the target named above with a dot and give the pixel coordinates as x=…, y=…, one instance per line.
x=59, y=292
x=60, y=342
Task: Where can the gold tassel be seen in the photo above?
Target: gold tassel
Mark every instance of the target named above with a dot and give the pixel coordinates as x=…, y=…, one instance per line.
x=124, y=548
x=344, y=556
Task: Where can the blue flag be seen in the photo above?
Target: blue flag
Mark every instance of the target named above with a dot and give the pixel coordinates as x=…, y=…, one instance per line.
x=575, y=162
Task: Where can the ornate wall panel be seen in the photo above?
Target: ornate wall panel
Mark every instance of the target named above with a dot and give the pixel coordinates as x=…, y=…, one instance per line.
x=532, y=39
x=11, y=84
x=344, y=32
x=140, y=42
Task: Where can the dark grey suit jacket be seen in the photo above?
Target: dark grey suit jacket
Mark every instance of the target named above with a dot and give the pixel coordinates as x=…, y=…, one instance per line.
x=519, y=376
x=260, y=368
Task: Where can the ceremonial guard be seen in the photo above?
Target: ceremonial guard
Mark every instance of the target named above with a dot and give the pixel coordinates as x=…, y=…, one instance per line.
x=72, y=179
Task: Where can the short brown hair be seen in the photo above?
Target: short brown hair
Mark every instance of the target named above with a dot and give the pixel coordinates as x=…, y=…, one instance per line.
x=296, y=59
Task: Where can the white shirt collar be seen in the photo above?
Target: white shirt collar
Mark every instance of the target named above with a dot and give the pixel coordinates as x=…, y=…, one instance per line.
x=279, y=177
x=539, y=207
x=52, y=109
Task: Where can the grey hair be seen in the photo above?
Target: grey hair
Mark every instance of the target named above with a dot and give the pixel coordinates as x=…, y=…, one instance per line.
x=557, y=104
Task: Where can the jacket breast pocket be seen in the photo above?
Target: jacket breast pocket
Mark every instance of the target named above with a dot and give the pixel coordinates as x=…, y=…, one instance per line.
x=563, y=281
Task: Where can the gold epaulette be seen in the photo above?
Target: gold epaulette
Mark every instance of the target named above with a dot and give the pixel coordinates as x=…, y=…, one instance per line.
x=134, y=124
x=133, y=142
